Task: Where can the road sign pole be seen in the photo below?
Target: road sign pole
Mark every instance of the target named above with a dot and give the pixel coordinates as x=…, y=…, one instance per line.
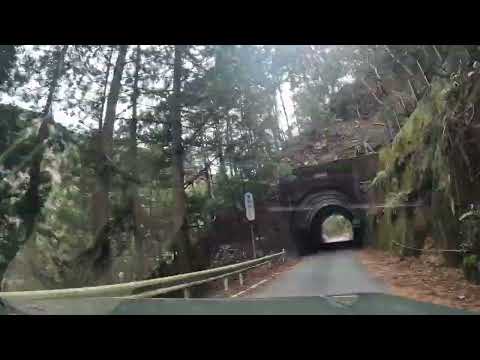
x=253, y=240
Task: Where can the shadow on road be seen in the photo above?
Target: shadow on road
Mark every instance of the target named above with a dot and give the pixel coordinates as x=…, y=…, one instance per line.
x=334, y=246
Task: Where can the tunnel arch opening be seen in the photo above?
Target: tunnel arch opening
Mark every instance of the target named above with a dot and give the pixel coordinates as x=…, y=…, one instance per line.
x=310, y=215
x=331, y=226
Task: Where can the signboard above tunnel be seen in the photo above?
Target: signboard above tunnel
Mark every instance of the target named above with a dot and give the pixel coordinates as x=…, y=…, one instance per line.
x=364, y=167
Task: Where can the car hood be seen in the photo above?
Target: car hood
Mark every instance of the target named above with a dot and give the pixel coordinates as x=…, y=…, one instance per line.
x=342, y=304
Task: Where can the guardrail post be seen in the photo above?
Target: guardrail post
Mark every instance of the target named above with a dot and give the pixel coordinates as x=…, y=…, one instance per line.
x=240, y=279
x=225, y=283
x=186, y=293
x=270, y=265
x=282, y=258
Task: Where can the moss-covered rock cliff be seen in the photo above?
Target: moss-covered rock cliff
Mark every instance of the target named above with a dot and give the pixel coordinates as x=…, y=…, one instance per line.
x=429, y=176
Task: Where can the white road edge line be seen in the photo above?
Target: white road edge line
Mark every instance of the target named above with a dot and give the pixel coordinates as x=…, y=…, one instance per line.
x=250, y=288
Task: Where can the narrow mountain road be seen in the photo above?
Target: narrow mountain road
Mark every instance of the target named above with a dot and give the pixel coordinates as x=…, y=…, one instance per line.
x=329, y=272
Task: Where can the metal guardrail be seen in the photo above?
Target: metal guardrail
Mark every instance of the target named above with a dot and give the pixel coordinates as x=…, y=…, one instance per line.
x=151, y=287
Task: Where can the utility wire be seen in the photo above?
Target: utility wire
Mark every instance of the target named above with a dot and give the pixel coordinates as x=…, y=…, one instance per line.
x=426, y=250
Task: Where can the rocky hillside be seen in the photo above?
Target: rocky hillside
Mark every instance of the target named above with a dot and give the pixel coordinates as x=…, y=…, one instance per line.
x=341, y=140
x=427, y=140
x=428, y=181
x=365, y=117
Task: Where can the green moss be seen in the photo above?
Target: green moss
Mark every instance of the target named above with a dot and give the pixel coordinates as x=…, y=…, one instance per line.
x=383, y=231
x=393, y=228
x=438, y=94
x=409, y=178
x=395, y=200
x=380, y=180
x=470, y=261
x=410, y=167
x=411, y=137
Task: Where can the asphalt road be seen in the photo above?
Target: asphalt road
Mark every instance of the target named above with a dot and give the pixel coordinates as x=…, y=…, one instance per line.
x=329, y=272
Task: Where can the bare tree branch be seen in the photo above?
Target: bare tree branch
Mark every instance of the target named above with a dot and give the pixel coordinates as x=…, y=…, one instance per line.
x=200, y=173
x=423, y=73
x=410, y=72
x=438, y=53
x=372, y=92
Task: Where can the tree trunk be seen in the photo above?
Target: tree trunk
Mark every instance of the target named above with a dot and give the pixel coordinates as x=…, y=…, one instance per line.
x=32, y=195
x=289, y=130
x=209, y=180
x=100, y=198
x=105, y=85
x=151, y=199
x=219, y=144
x=207, y=170
x=276, y=126
x=133, y=191
x=228, y=139
x=54, y=81
x=179, y=214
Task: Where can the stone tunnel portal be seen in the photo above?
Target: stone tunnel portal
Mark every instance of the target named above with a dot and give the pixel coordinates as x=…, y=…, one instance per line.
x=315, y=193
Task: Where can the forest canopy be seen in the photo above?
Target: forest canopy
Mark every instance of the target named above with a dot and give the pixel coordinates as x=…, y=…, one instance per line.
x=155, y=141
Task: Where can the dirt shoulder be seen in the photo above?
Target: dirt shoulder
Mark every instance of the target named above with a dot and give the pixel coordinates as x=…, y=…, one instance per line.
x=422, y=279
